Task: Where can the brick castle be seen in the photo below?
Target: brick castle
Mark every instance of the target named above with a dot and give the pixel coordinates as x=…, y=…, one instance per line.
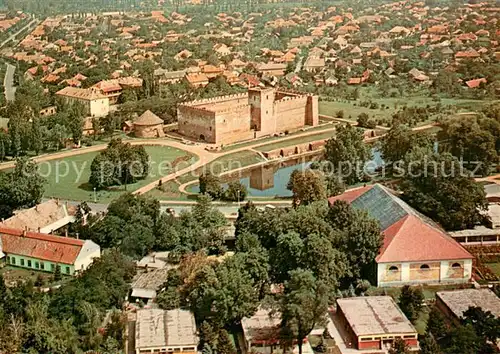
x=259, y=112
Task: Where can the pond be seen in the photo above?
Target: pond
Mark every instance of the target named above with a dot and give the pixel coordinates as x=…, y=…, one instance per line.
x=271, y=179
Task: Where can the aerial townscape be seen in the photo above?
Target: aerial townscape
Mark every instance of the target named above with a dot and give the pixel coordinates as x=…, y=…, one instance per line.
x=249, y=177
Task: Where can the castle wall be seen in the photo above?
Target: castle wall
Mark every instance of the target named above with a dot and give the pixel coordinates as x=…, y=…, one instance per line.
x=233, y=125
x=196, y=123
x=289, y=114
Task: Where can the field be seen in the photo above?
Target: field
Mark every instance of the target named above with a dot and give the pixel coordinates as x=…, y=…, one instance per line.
x=352, y=109
x=68, y=178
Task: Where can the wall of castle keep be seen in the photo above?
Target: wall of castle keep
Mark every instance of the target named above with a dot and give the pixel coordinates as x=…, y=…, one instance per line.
x=233, y=125
x=196, y=123
x=229, y=119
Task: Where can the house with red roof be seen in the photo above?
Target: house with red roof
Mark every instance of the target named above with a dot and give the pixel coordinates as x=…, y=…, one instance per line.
x=42, y=252
x=476, y=82
x=415, y=249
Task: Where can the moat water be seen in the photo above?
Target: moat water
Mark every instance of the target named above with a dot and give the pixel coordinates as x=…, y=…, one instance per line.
x=270, y=180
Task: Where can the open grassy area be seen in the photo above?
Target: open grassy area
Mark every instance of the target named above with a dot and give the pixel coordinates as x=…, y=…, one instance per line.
x=296, y=141
x=352, y=109
x=68, y=178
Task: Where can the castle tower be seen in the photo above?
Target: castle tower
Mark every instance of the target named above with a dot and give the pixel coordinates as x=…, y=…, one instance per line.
x=261, y=109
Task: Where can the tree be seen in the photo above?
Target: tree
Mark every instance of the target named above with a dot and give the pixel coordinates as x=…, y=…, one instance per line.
x=210, y=185
x=347, y=154
x=120, y=163
x=359, y=238
x=225, y=345
x=21, y=188
x=334, y=186
x=486, y=325
x=36, y=136
x=440, y=188
x=410, y=302
x=303, y=306
x=475, y=141
x=464, y=340
x=365, y=122
x=400, y=140
x=57, y=273
x=307, y=186
x=235, y=192
x=428, y=345
x=399, y=347
x=435, y=324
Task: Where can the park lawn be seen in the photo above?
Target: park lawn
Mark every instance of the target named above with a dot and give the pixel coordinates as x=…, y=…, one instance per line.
x=393, y=104
x=296, y=141
x=71, y=186
x=352, y=112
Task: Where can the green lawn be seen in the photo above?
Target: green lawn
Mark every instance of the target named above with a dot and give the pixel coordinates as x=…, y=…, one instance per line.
x=393, y=104
x=74, y=173
x=296, y=141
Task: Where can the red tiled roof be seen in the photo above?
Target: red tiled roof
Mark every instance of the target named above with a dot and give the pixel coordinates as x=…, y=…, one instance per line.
x=41, y=246
x=476, y=82
x=411, y=239
x=350, y=195
x=408, y=235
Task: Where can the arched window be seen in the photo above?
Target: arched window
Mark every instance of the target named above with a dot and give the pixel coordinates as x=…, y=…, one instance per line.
x=393, y=269
x=456, y=265
x=425, y=267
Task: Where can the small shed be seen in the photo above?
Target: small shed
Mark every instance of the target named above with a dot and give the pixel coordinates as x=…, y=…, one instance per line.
x=148, y=125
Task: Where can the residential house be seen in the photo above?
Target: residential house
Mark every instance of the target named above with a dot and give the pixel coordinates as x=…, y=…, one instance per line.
x=197, y=79
x=164, y=77
x=273, y=69
x=476, y=82
x=183, y=55
x=415, y=250
x=454, y=303
x=44, y=218
x=221, y=49
x=94, y=102
x=111, y=89
x=314, y=64
x=42, y=252
x=160, y=331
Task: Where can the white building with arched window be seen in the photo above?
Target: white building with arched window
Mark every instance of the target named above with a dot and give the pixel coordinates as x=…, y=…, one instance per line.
x=415, y=249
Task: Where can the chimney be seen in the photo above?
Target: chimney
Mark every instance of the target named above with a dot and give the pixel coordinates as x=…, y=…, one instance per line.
x=77, y=236
x=57, y=201
x=39, y=229
x=25, y=230
x=66, y=232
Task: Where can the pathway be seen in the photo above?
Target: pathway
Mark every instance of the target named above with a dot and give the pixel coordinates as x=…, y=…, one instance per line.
x=34, y=21
x=8, y=83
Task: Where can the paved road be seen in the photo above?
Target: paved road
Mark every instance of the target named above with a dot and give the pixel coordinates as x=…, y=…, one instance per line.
x=12, y=37
x=230, y=211
x=8, y=83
